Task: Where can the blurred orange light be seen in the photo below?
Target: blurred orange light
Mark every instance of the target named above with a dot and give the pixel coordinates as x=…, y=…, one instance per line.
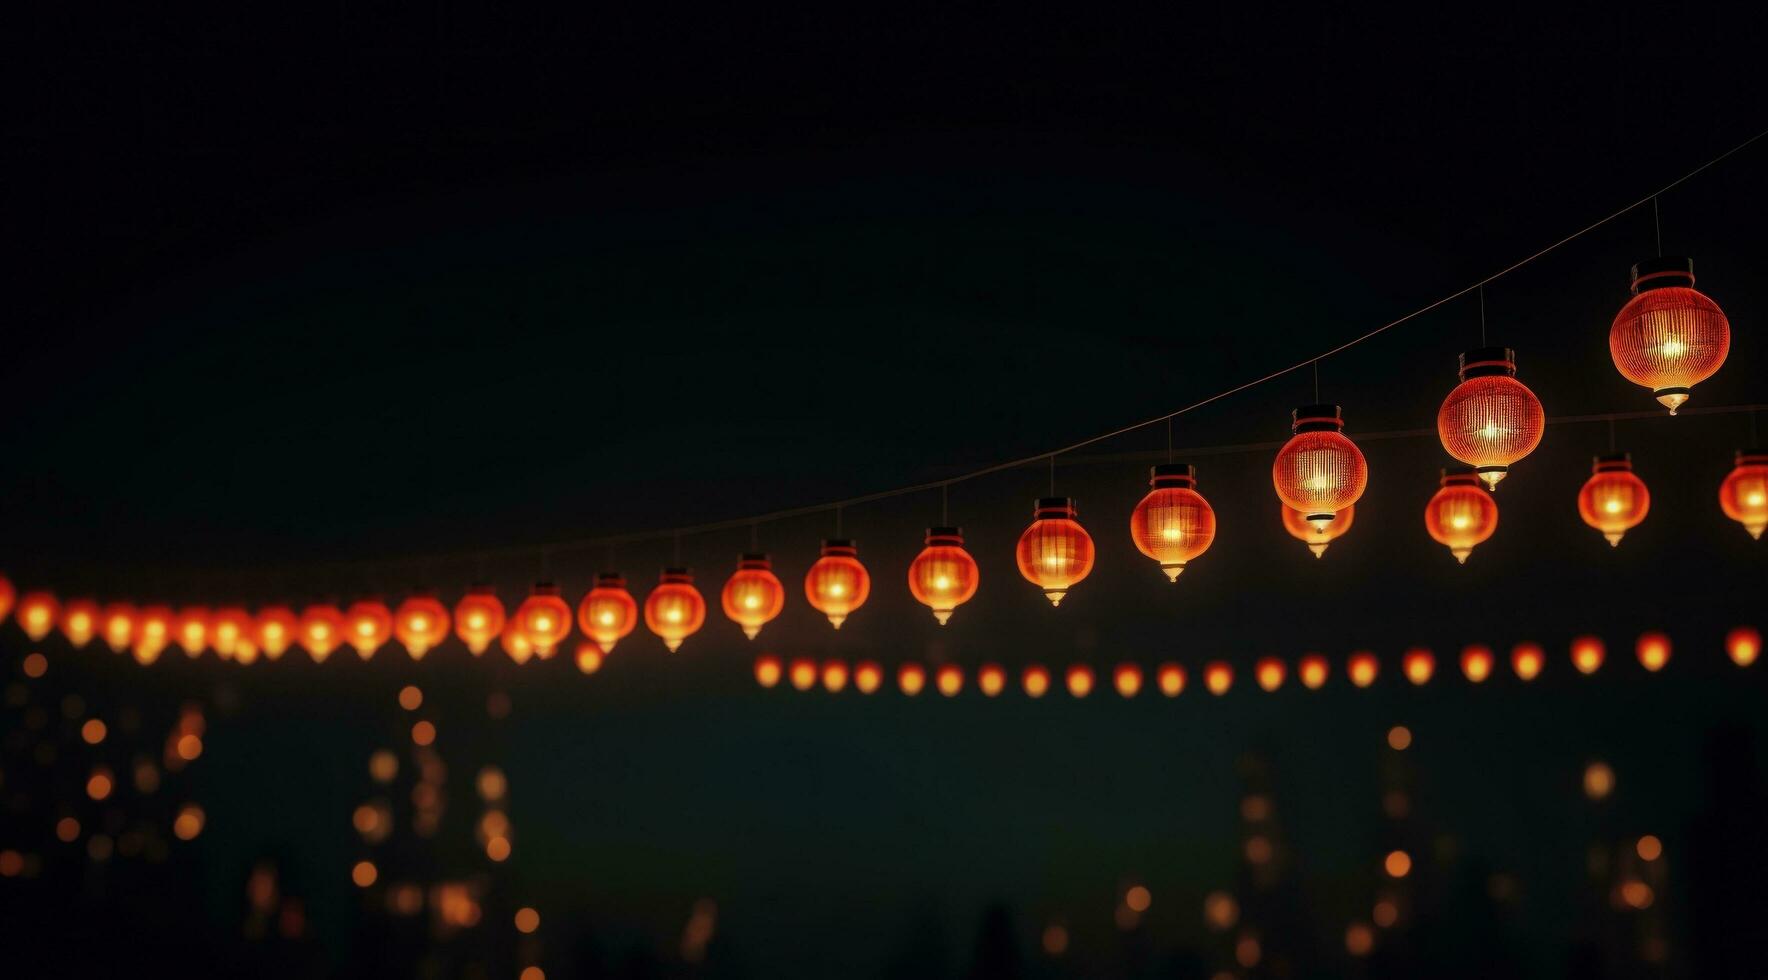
x=423, y=733
x=1218, y=677
x=420, y=623
x=93, y=731
x=479, y=618
x=1270, y=673
x=1399, y=738
x=991, y=680
x=189, y=822
x=1398, y=864
x=1362, y=668
x=1599, y=780
x=117, y=621
x=1171, y=679
x=803, y=673
x=1743, y=645
x=834, y=676
x=364, y=874
x=768, y=670
x=1359, y=939
x=1527, y=659
x=37, y=613
x=1587, y=654
x=753, y=596
x=543, y=619
x=1035, y=680
x=1418, y=664
x=867, y=676
x=99, y=784
x=911, y=678
x=589, y=657
x=367, y=626
x=1649, y=848
x=1653, y=650
x=949, y=679
x=321, y=631
x=79, y=620
x=1080, y=680
x=1476, y=662
x=1138, y=898
x=527, y=920
x=675, y=610
x=1128, y=680
x=1313, y=670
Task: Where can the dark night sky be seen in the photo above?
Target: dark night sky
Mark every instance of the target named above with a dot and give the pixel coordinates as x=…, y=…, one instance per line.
x=293, y=292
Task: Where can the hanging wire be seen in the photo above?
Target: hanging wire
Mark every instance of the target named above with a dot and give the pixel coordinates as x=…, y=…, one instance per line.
x=1052, y=474
x=1169, y=440
x=1482, y=316
x=1316, y=381
x=1611, y=433
x=1657, y=226
x=945, y=517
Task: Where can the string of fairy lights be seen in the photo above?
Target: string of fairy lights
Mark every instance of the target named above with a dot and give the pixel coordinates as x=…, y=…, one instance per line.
x=1668, y=337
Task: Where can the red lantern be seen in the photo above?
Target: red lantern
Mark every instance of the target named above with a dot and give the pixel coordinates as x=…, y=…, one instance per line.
x=1653, y=650
x=79, y=620
x=1476, y=662
x=1055, y=553
x=1316, y=538
x=1490, y=420
x=1418, y=665
x=834, y=676
x=479, y=618
x=943, y=576
x=1462, y=514
x=1743, y=645
x=1318, y=471
x=153, y=631
x=1218, y=677
x=1613, y=500
x=589, y=657
x=1669, y=337
x=1587, y=654
x=117, y=622
x=991, y=680
x=1171, y=678
x=768, y=670
x=911, y=678
x=227, y=628
x=803, y=673
x=1527, y=659
x=37, y=613
x=420, y=623
x=8, y=597
x=1313, y=671
x=1036, y=681
x=368, y=625
x=1362, y=668
x=274, y=630
x=1269, y=672
x=1127, y=678
x=1080, y=680
x=949, y=678
x=192, y=630
x=544, y=619
x=515, y=642
x=837, y=584
x=867, y=676
x=753, y=596
x=1744, y=494
x=608, y=613
x=1173, y=524
x=321, y=630
x=674, y=610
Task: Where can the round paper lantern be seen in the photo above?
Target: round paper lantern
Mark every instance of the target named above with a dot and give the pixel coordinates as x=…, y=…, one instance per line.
x=1418, y=665
x=153, y=632
x=1055, y=552
x=1316, y=538
x=1613, y=500
x=1653, y=650
x=117, y=622
x=589, y=657
x=1080, y=680
x=1269, y=672
x=991, y=680
x=1318, y=471
x=1127, y=678
x=768, y=670
x=1744, y=494
x=515, y=642
x=1362, y=668
x=867, y=676
x=1527, y=659
x=79, y=620
x=943, y=576
x=608, y=613
x=479, y=618
x=1476, y=662
x=835, y=676
x=911, y=678
x=1743, y=645
x=753, y=596
x=544, y=619
x=1171, y=679
x=321, y=631
x=8, y=597
x=674, y=610
x=37, y=613
x=420, y=623
x=949, y=678
x=1461, y=514
x=274, y=629
x=1218, y=677
x=803, y=673
x=191, y=630
x=227, y=627
x=368, y=625
x=1490, y=420
x=1669, y=337
x=1313, y=670
x=1173, y=524
x=1587, y=654
x=1036, y=681
x=837, y=584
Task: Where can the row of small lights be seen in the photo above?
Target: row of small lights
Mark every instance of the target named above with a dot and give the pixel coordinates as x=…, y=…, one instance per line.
x=1478, y=662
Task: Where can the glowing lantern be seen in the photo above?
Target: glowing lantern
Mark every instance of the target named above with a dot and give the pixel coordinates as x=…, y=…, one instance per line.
x=943, y=576
x=420, y=623
x=803, y=673
x=1313, y=671
x=1127, y=678
x=1170, y=678
x=367, y=626
x=837, y=584
x=1218, y=677
x=545, y=619
x=245, y=650
x=753, y=596
x=1490, y=420
x=1462, y=514
x=79, y=620
x=1035, y=680
x=191, y=629
x=1055, y=552
x=1743, y=645
x=117, y=622
x=274, y=630
x=991, y=680
x=1613, y=500
x=1318, y=471
x=1653, y=650
x=37, y=614
x=911, y=678
x=1269, y=672
x=1476, y=662
x=768, y=670
x=8, y=597
x=515, y=643
x=589, y=657
x=608, y=613
x=1527, y=659
x=834, y=676
x=949, y=678
x=1669, y=337
x=153, y=631
x=1587, y=654
x=1173, y=524
x=227, y=628
x=320, y=632
x=674, y=610
x=1418, y=664
x=867, y=676
x=1744, y=494
x=479, y=618
x=1080, y=680
x=1316, y=538
x=1362, y=668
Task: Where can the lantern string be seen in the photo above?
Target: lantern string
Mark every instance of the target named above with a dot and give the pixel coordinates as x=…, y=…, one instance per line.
x=1316, y=382
x=945, y=518
x=1611, y=433
x=754, y=537
x=1482, y=316
x=1052, y=474
x=1657, y=226
x=1169, y=440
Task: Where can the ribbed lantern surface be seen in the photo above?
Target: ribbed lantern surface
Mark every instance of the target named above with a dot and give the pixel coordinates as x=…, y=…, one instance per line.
x=1319, y=471
x=1490, y=420
x=1670, y=336
x=1461, y=514
x=943, y=576
x=1613, y=500
x=1173, y=524
x=837, y=584
x=1055, y=552
x=753, y=595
